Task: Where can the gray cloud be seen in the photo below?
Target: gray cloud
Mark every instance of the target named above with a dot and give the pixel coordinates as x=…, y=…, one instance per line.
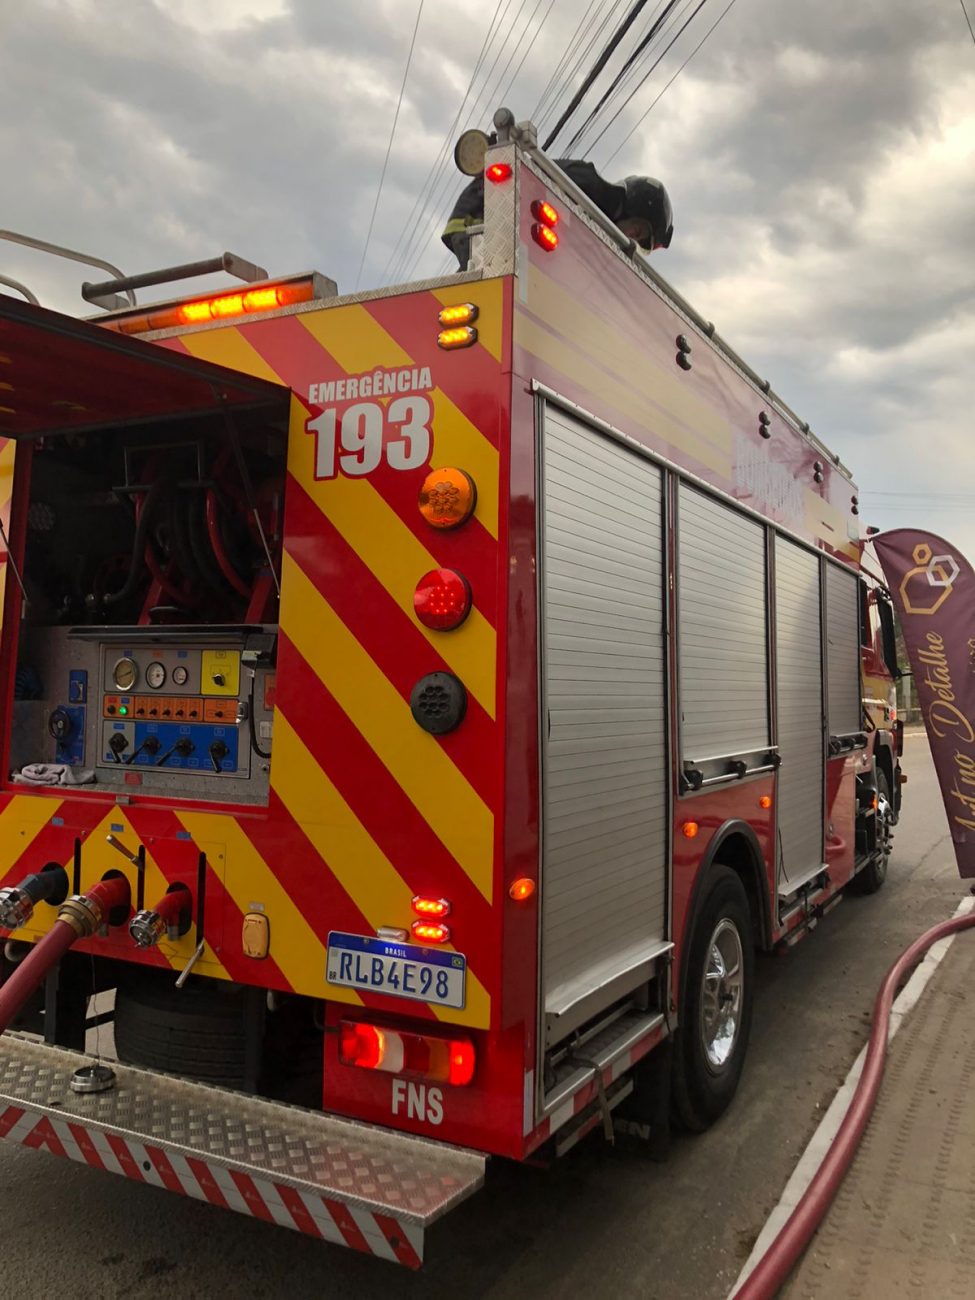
x=819, y=157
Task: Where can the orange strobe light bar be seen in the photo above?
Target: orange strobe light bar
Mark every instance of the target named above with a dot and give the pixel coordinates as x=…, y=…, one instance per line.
x=216, y=307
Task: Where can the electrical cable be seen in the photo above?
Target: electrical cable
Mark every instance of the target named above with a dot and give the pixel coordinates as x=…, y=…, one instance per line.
x=528, y=48
x=628, y=63
x=488, y=38
x=605, y=9
x=721, y=17
x=487, y=93
x=389, y=144
x=626, y=82
x=967, y=19
x=596, y=69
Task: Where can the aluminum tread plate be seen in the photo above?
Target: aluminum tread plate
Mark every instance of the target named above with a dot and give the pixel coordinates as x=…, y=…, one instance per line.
x=357, y=1164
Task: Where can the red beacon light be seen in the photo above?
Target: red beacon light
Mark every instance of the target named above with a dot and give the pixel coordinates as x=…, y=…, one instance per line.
x=545, y=213
x=427, y=907
x=498, y=173
x=430, y=931
x=442, y=599
x=545, y=237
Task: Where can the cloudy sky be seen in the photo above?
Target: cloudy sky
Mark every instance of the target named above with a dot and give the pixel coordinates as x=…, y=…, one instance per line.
x=820, y=158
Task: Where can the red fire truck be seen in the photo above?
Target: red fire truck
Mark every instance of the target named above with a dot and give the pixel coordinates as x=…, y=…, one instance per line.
x=418, y=706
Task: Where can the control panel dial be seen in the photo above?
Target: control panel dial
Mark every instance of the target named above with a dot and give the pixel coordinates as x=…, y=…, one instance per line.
x=181, y=675
x=125, y=674
x=156, y=675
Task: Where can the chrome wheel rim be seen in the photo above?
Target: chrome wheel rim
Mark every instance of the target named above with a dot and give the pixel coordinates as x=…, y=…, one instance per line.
x=885, y=820
x=721, y=995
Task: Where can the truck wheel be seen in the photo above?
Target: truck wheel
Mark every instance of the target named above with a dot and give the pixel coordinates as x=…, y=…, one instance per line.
x=710, y=1044
x=198, y=1031
x=869, y=880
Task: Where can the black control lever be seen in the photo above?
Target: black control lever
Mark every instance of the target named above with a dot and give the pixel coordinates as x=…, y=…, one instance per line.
x=150, y=746
x=183, y=747
x=217, y=751
x=117, y=742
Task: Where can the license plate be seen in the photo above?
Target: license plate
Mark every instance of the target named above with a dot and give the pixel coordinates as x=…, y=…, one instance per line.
x=401, y=970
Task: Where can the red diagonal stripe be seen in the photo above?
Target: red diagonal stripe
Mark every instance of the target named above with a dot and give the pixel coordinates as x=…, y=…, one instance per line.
x=298, y=1210
x=394, y=1234
x=9, y=1118
x=254, y=1201
x=392, y=821
x=163, y=1167
x=345, y=1223
x=43, y=1135
x=86, y=1146
x=120, y=1150
x=208, y=1184
x=394, y=643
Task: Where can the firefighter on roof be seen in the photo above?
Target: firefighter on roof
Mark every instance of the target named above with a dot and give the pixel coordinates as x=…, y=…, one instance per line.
x=639, y=205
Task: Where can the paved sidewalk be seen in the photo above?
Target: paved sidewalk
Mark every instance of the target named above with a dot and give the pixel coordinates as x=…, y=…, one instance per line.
x=903, y=1222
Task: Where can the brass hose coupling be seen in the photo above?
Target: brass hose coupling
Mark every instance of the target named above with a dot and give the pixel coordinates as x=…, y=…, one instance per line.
x=83, y=913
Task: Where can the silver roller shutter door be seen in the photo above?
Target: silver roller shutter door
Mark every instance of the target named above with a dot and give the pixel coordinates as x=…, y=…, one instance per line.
x=843, y=695
x=799, y=687
x=604, y=774
x=722, y=637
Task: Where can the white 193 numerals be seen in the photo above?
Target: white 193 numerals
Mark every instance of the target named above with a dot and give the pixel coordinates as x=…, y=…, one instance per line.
x=356, y=443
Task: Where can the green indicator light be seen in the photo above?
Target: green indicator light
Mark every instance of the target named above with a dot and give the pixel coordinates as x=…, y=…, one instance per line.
x=123, y=709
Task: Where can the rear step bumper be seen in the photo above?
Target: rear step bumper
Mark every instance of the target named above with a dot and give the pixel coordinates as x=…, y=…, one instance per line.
x=347, y=1183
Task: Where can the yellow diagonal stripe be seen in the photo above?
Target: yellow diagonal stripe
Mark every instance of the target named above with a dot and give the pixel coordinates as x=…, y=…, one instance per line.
x=387, y=547
x=230, y=348
x=358, y=343
x=443, y=796
x=361, y=868
x=8, y=451
x=489, y=297
x=297, y=949
x=24, y=817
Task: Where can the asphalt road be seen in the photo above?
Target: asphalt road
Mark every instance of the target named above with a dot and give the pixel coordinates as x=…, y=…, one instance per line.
x=602, y=1222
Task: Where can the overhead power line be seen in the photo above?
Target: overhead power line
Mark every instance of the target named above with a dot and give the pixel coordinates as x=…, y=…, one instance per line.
x=628, y=64
x=967, y=19
x=721, y=17
x=389, y=145
x=596, y=69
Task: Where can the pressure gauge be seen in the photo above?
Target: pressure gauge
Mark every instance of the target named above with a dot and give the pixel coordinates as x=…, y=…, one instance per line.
x=125, y=674
x=181, y=675
x=155, y=674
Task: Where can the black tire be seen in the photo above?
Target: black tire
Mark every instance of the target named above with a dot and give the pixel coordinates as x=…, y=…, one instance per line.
x=872, y=877
x=707, y=1064
x=198, y=1031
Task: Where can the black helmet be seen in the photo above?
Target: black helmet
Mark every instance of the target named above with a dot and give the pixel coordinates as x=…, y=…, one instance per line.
x=647, y=198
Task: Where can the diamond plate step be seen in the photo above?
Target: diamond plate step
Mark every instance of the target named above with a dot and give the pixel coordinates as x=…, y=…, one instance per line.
x=350, y=1183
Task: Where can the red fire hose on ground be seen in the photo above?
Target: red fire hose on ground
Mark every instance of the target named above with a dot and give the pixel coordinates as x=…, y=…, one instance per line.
x=78, y=918
x=782, y=1255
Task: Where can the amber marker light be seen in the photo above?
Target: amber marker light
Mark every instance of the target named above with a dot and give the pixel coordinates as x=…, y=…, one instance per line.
x=462, y=313
x=461, y=336
x=765, y=801
x=498, y=173
x=430, y=932
x=521, y=889
x=447, y=498
x=689, y=830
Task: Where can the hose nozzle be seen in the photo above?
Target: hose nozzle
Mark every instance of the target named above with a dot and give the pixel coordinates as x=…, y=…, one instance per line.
x=17, y=901
x=170, y=918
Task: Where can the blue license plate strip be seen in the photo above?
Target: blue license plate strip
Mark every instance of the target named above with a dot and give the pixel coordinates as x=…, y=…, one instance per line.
x=400, y=970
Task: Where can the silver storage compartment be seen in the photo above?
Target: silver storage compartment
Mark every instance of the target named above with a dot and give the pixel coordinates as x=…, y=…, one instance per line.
x=604, y=724
x=799, y=696
x=722, y=637
x=843, y=698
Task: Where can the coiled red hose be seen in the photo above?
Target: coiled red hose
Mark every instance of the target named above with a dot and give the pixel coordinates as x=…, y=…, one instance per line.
x=775, y=1265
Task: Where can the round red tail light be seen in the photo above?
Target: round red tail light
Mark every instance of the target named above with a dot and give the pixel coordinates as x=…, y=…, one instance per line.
x=442, y=599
